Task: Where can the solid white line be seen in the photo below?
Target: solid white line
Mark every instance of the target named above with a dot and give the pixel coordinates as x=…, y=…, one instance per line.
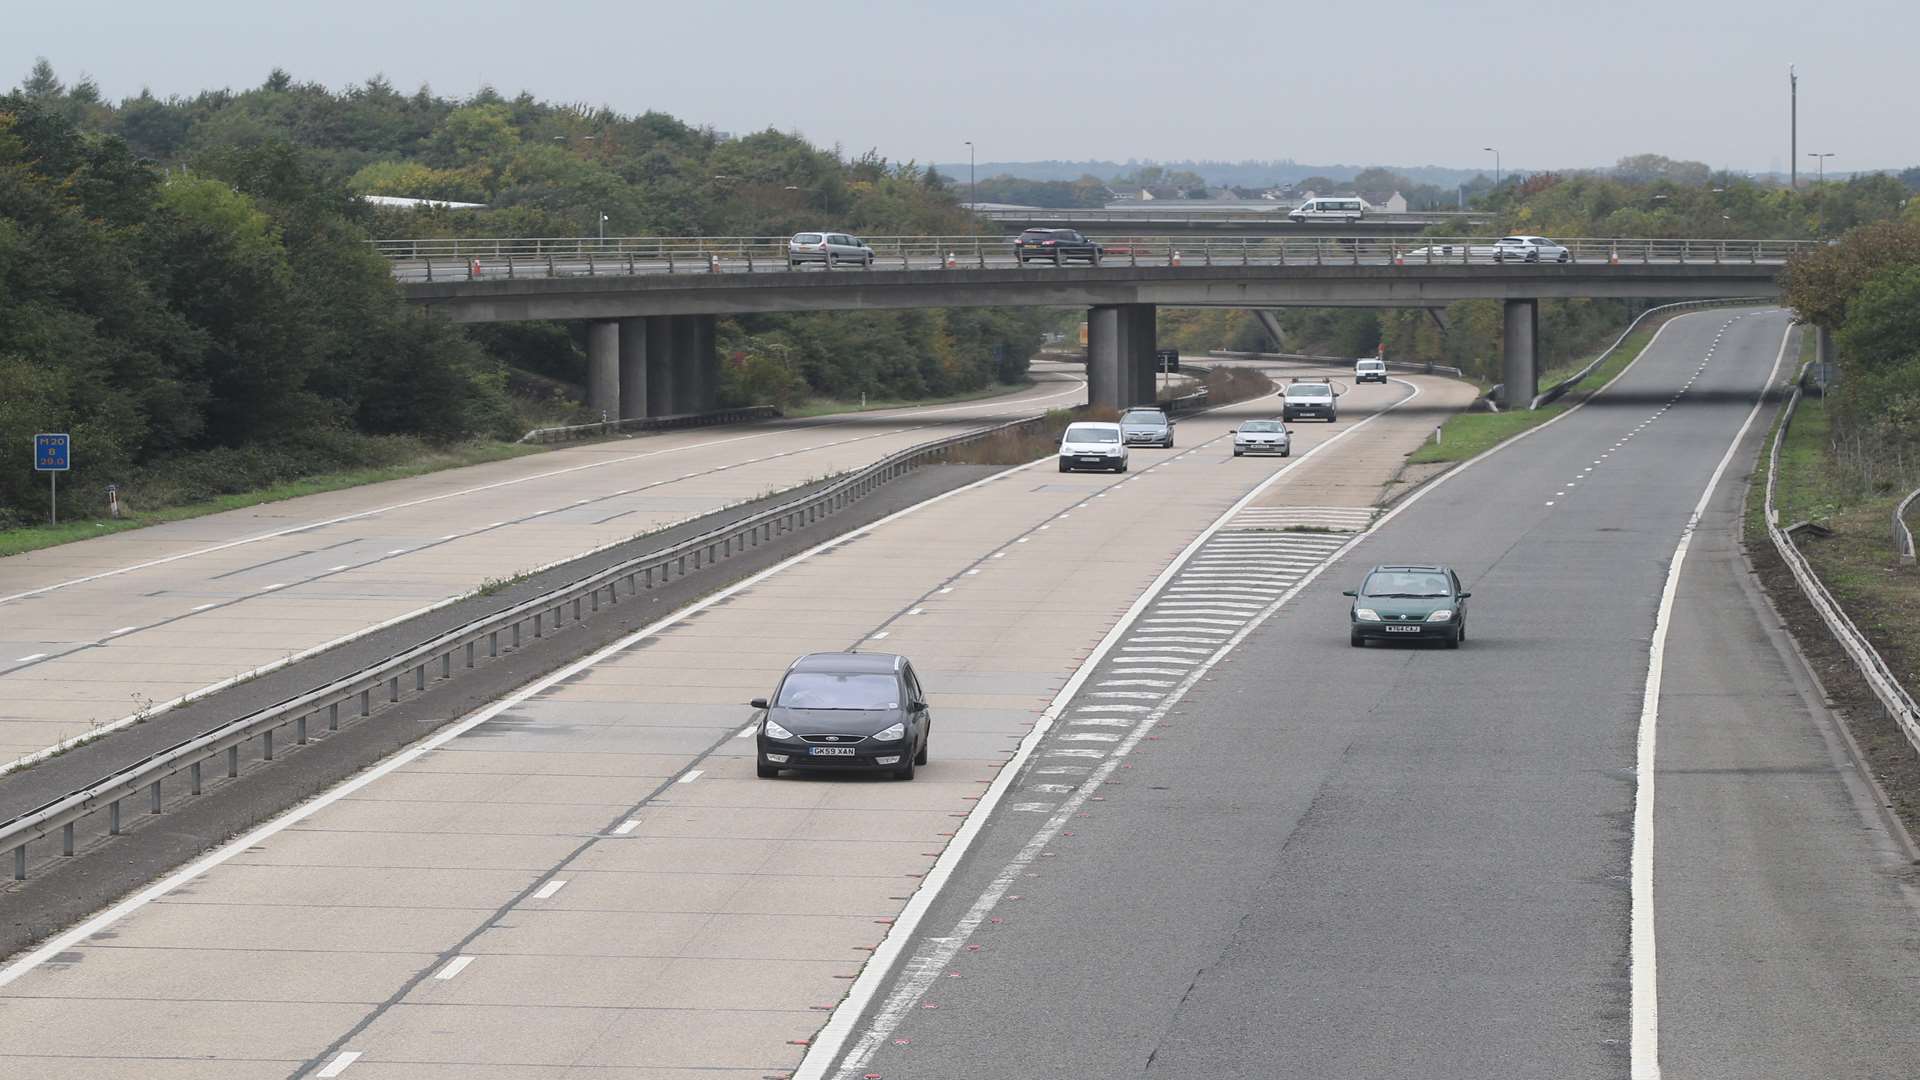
x=550, y=888
x=832, y=1038
x=275, y=585
x=122, y=630
x=691, y=776
x=747, y=732
x=60, y=942
x=339, y=1065
x=28, y=657
x=456, y=965
x=1644, y=958
x=330, y=570
x=626, y=827
x=203, y=607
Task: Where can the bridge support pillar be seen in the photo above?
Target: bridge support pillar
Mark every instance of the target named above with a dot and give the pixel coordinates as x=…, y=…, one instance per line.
x=696, y=373
x=1120, y=341
x=1270, y=322
x=661, y=388
x=1520, y=367
x=634, y=398
x=603, y=368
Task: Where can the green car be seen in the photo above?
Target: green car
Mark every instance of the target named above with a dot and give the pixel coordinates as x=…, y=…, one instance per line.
x=1409, y=603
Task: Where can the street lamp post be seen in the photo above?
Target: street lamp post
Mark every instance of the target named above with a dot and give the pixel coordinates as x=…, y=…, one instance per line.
x=1496, y=165
x=603, y=226
x=1822, y=160
x=973, y=188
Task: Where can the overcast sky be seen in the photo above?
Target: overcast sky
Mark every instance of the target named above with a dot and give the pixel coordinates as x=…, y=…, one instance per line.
x=1550, y=83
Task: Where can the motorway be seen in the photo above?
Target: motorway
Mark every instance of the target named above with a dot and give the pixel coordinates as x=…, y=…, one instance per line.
x=89, y=632
x=586, y=879
x=1307, y=860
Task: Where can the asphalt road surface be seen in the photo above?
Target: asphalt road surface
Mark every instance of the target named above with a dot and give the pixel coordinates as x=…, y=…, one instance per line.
x=91, y=632
x=1327, y=862
x=587, y=879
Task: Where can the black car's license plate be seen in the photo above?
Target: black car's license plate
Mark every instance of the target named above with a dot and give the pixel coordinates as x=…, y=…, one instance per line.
x=830, y=751
x=1401, y=629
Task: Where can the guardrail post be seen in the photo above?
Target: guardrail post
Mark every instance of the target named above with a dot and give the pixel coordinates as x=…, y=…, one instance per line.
x=193, y=774
x=233, y=761
x=493, y=644
x=649, y=578
x=516, y=633
x=393, y=689
x=419, y=678
x=539, y=618
x=66, y=839
x=576, y=609
x=300, y=731
x=470, y=653
x=20, y=863
x=113, y=818
x=153, y=793
x=446, y=665
x=595, y=597
x=266, y=745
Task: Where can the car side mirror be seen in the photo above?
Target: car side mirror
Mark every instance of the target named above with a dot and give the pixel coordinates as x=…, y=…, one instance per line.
x=917, y=706
x=1349, y=592
x=758, y=703
x=1464, y=595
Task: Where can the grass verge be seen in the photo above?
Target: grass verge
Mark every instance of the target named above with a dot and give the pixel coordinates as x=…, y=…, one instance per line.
x=1471, y=433
x=34, y=537
x=831, y=406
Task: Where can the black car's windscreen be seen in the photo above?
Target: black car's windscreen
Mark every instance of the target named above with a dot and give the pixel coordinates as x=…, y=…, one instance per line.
x=1407, y=583
x=835, y=690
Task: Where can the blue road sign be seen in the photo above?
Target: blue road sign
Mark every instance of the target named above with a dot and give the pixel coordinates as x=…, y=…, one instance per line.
x=50, y=453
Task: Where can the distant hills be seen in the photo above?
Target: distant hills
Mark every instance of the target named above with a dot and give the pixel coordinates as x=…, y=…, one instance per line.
x=1217, y=173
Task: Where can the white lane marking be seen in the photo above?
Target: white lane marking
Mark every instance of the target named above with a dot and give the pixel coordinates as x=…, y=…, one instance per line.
x=1088, y=736
x=551, y=887
x=451, y=536
x=829, y=1041
x=1100, y=721
x=1185, y=629
x=1030, y=807
x=1050, y=789
x=970, y=573
x=330, y=570
x=1643, y=954
x=1135, y=695
x=692, y=775
x=1163, y=649
x=339, y=1064
x=626, y=827
x=1067, y=753
x=917, y=611
x=1134, y=682
x=1118, y=670
x=948, y=589
x=456, y=965
x=1115, y=708
x=1023, y=540
x=61, y=942
x=275, y=585
x=880, y=635
x=999, y=554
x=203, y=607
x=1177, y=639
x=1193, y=619
x=747, y=732
x=398, y=551
x=28, y=657
x=122, y=630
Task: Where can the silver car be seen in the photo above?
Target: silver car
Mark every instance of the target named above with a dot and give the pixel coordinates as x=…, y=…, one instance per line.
x=827, y=248
x=1146, y=426
x=1263, y=437
x=1529, y=249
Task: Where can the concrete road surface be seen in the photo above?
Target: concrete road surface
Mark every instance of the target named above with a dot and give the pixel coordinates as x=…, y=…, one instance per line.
x=1326, y=862
x=587, y=879
x=92, y=632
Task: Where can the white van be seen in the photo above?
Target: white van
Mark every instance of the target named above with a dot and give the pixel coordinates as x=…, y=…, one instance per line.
x=1369, y=369
x=1343, y=208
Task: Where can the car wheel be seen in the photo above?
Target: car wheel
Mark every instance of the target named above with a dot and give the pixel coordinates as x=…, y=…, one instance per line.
x=921, y=757
x=1236, y=451
x=905, y=772
x=1354, y=639
x=1286, y=453
x=1463, y=631
x=1093, y=260
x=1453, y=642
x=1122, y=468
x=832, y=262
x=765, y=771
x=1064, y=468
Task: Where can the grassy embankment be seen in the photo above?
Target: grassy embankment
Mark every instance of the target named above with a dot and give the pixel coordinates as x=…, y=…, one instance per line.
x=1471, y=433
x=831, y=406
x=1857, y=563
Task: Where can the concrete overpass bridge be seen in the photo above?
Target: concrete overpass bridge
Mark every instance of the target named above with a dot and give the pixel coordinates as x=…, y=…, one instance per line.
x=651, y=302
x=1174, y=219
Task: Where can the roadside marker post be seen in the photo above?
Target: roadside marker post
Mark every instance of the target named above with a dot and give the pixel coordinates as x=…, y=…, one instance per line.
x=51, y=456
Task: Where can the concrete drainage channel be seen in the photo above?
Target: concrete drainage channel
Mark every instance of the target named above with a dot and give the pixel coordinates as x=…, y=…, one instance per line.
x=66, y=853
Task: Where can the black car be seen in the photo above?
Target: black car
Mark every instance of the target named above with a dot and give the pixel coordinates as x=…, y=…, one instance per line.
x=1054, y=246
x=844, y=711
x=1409, y=603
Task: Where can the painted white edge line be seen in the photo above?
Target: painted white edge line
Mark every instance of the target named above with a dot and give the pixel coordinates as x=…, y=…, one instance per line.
x=820, y=1054
x=339, y=1064
x=98, y=730
x=294, y=815
x=1643, y=958
x=828, y=1043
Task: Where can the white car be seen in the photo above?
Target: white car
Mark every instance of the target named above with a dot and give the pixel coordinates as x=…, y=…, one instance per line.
x=1263, y=437
x=1529, y=249
x=1313, y=398
x=1093, y=445
x=1370, y=369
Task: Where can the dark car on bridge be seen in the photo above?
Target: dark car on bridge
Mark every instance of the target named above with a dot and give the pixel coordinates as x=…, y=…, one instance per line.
x=844, y=712
x=1409, y=602
x=1055, y=246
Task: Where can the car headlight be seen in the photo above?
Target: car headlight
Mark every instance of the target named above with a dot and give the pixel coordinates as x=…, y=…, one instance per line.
x=1441, y=616
x=1366, y=614
x=1115, y=451
x=775, y=731
x=892, y=734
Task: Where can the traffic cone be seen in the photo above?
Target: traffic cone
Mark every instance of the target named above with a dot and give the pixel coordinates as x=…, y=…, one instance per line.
x=473, y=268
x=1175, y=260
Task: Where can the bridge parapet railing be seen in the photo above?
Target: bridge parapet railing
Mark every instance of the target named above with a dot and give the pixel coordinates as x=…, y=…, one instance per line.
x=468, y=258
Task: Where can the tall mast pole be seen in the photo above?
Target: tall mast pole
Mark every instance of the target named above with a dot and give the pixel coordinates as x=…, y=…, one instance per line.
x=1793, y=128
